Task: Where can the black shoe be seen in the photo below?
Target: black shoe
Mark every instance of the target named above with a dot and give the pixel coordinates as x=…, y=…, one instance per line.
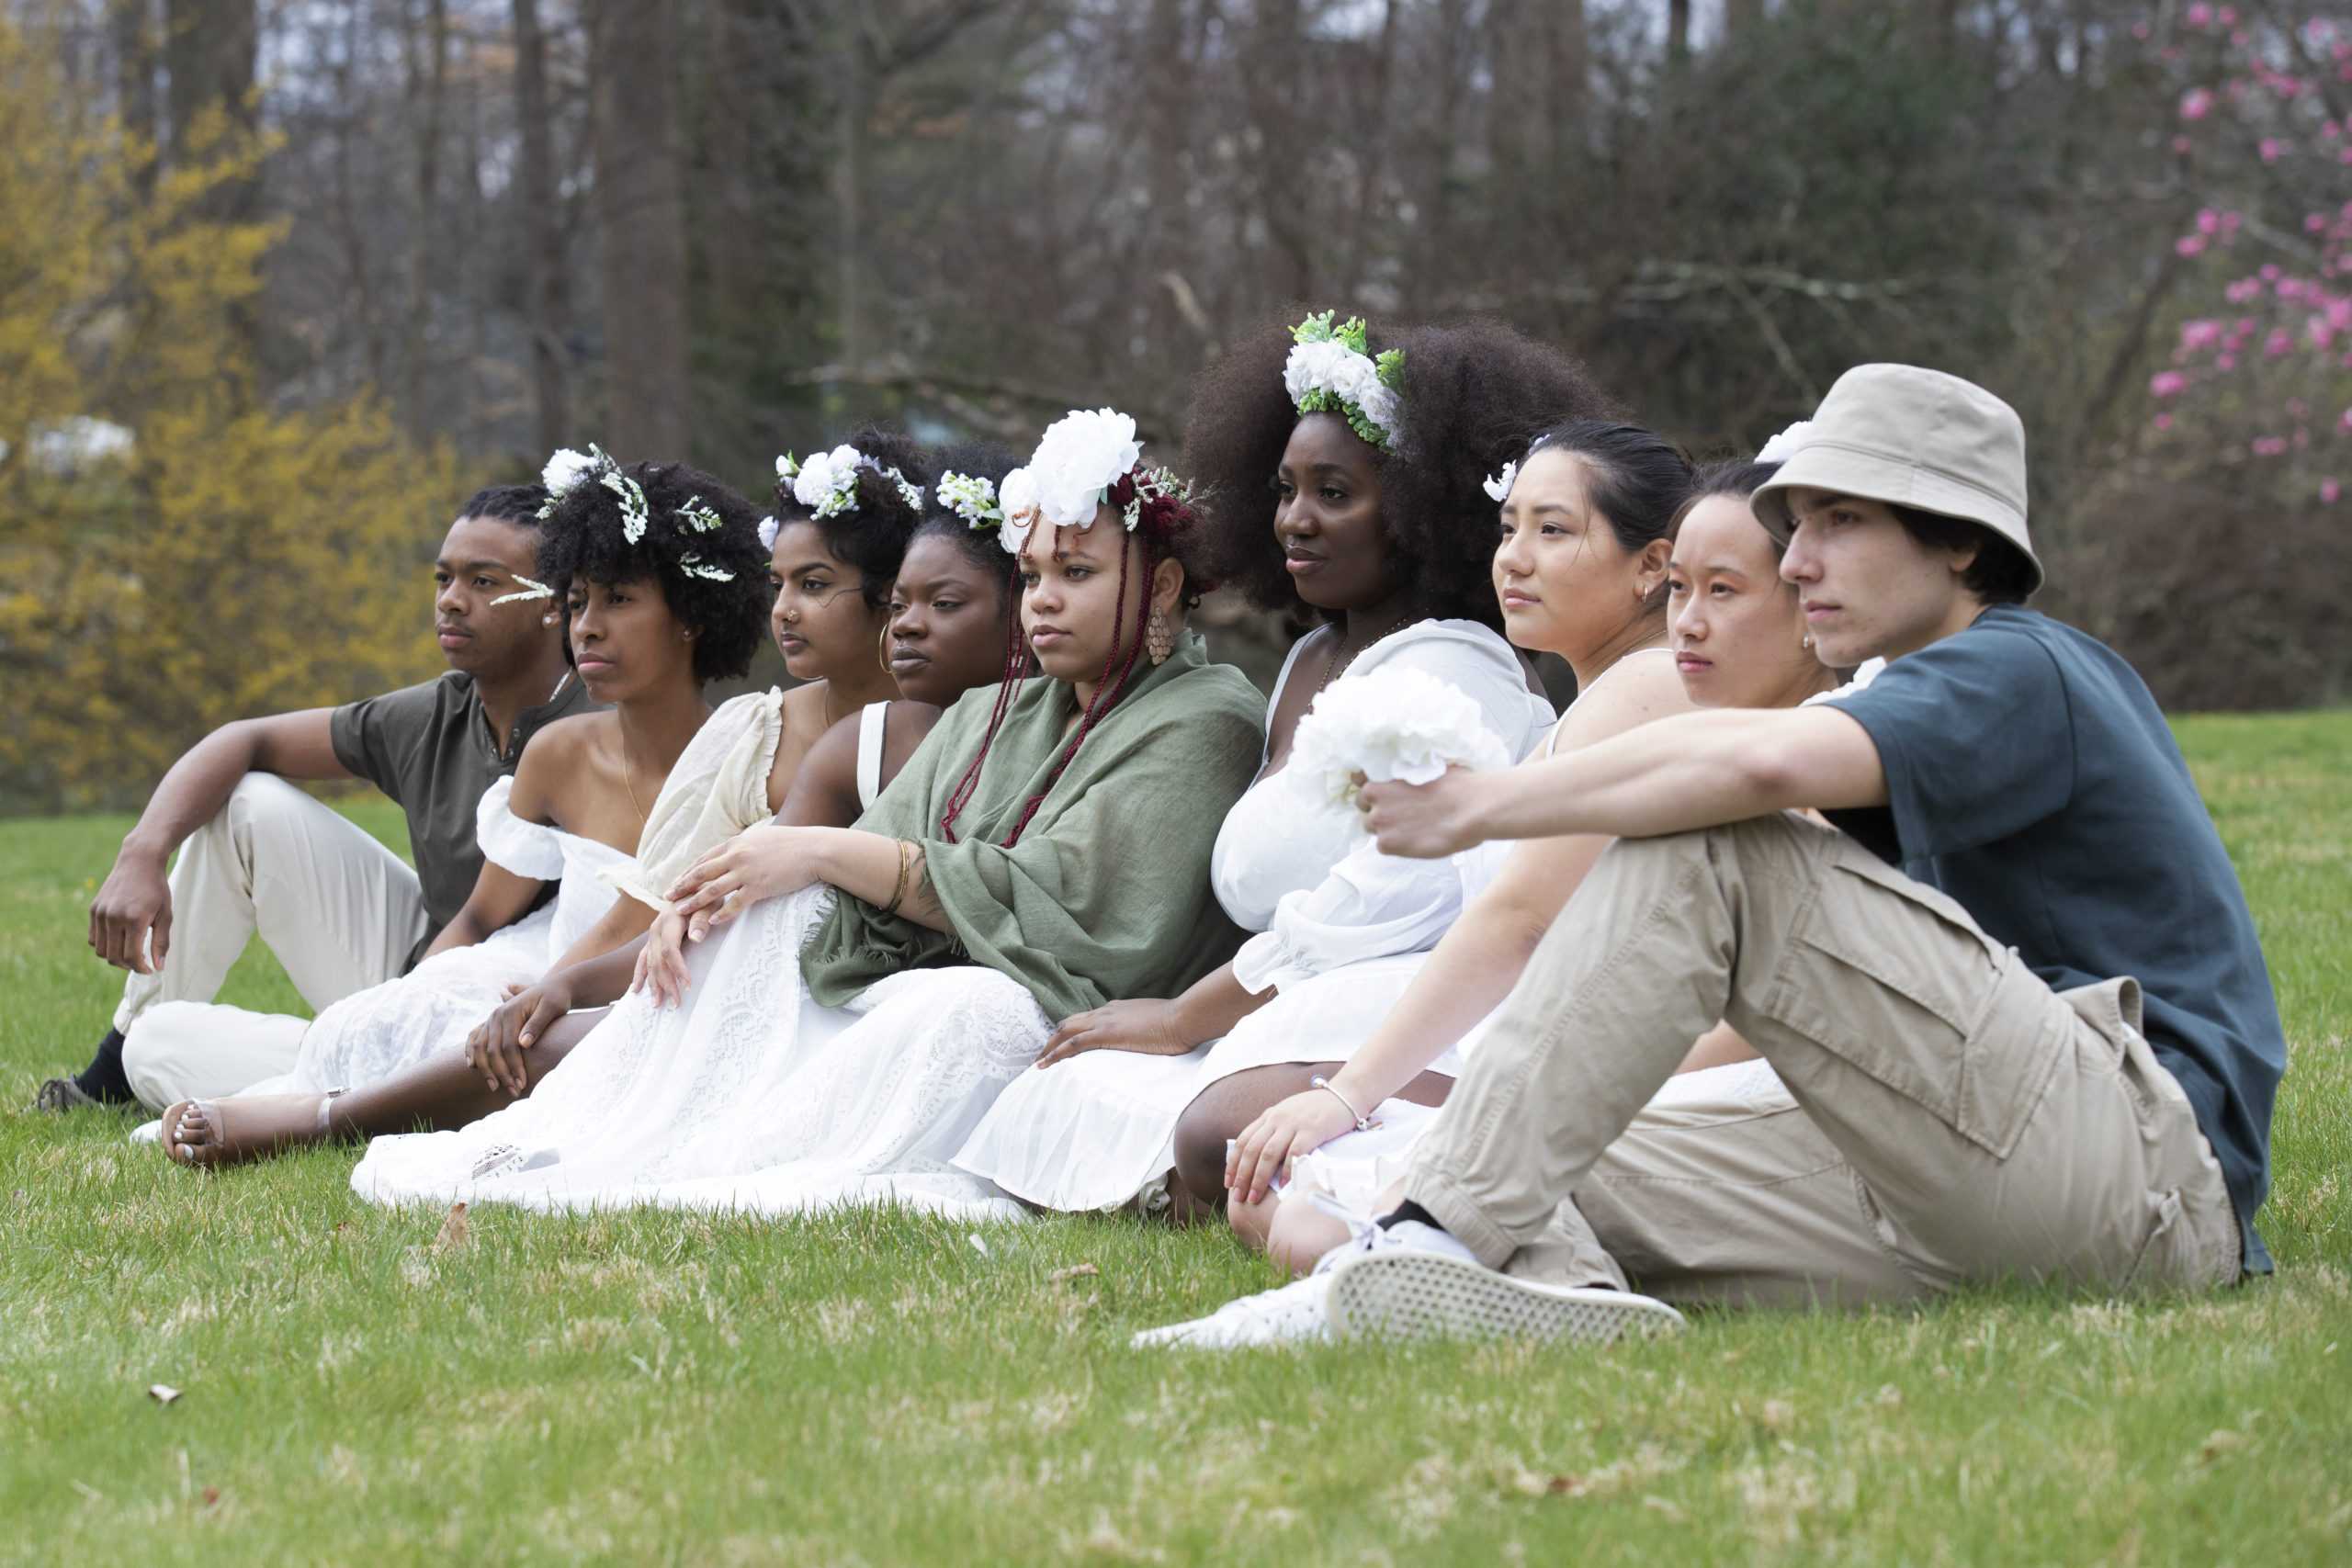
x=59, y=1096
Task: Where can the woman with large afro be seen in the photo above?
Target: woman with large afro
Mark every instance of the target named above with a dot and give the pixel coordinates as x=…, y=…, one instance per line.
x=1346, y=473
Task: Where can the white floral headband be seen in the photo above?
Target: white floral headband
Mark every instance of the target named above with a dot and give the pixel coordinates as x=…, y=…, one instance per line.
x=971, y=497
x=1086, y=459
x=568, y=470
x=1330, y=370
x=827, y=482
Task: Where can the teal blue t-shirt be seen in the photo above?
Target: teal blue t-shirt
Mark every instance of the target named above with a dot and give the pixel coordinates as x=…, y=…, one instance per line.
x=2030, y=775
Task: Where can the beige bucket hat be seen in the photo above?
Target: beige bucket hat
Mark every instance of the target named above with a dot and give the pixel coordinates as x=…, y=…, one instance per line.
x=1911, y=437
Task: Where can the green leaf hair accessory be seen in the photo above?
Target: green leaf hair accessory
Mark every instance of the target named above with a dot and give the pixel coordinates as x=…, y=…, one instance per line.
x=531, y=590
x=699, y=516
x=971, y=497
x=694, y=565
x=1331, y=370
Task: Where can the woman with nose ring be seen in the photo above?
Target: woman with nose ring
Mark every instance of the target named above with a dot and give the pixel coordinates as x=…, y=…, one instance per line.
x=1345, y=468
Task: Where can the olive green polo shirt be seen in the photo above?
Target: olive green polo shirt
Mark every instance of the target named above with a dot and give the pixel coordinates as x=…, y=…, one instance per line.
x=429, y=747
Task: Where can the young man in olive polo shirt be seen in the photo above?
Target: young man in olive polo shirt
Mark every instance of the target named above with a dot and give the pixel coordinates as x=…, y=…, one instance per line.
x=2015, y=993
x=258, y=855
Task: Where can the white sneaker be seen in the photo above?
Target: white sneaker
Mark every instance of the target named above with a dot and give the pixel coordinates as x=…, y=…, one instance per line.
x=1293, y=1314
x=1289, y=1315
x=1420, y=1291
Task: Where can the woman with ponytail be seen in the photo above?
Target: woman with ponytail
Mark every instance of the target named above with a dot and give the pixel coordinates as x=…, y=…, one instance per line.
x=861, y=994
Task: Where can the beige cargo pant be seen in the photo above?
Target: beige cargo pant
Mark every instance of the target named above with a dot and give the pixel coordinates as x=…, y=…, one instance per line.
x=1949, y=1118
x=339, y=909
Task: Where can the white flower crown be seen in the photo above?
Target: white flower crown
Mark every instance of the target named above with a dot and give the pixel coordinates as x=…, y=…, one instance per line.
x=827, y=482
x=568, y=470
x=1330, y=370
x=1078, y=460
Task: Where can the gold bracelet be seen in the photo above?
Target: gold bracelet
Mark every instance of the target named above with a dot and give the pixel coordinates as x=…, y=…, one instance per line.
x=906, y=859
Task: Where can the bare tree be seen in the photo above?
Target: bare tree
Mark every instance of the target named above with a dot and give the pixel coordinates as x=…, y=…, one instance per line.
x=640, y=225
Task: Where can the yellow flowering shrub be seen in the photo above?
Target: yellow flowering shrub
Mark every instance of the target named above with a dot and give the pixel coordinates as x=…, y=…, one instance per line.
x=173, y=552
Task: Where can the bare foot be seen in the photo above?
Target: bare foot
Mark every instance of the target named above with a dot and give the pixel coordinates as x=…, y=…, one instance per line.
x=229, y=1132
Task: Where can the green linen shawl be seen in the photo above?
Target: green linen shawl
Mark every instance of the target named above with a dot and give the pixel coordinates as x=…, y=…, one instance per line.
x=1107, y=894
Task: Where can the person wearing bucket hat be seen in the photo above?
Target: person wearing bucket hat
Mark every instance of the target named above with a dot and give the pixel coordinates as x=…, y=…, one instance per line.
x=2013, y=990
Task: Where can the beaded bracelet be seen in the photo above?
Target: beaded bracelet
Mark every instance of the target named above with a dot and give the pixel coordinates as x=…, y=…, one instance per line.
x=1363, y=1124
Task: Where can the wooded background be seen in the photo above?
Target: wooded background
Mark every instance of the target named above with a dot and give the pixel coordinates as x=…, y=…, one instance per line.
x=279, y=283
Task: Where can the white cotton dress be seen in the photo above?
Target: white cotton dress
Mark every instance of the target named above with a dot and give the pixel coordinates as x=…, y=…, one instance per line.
x=1343, y=930
x=705, y=1106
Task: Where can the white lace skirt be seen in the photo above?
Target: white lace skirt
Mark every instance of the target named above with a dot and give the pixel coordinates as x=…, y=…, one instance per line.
x=370, y=1035
x=748, y=1096
x=1096, y=1132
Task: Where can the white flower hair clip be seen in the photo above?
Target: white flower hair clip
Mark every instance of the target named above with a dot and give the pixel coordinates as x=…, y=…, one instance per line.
x=699, y=515
x=768, y=529
x=1498, y=485
x=971, y=497
x=1331, y=370
x=568, y=470
x=1783, y=446
x=693, y=565
x=531, y=589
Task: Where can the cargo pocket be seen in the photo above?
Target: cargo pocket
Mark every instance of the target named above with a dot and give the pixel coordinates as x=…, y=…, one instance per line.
x=1893, y=977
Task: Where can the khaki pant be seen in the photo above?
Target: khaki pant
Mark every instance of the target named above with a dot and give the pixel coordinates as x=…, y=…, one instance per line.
x=1951, y=1118
x=339, y=911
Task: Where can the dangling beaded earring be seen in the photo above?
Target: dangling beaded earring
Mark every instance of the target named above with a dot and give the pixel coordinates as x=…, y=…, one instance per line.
x=1159, y=637
x=1805, y=641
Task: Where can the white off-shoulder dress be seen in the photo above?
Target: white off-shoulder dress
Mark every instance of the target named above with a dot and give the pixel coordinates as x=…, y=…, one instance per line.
x=370, y=1035
x=1341, y=929
x=716, y=788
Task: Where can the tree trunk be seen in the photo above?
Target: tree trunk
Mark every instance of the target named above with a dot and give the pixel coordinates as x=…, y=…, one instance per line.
x=640, y=224
x=1741, y=18
x=542, y=235
x=131, y=25
x=856, y=109
x=428, y=91
x=209, y=53
x=1678, y=31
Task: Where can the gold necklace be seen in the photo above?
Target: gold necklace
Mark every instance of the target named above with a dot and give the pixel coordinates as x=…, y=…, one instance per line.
x=1339, y=666
x=629, y=777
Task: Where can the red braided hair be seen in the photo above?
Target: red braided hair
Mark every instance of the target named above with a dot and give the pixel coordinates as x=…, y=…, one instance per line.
x=1164, y=511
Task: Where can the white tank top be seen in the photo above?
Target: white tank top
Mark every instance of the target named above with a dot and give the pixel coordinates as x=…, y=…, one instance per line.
x=870, y=720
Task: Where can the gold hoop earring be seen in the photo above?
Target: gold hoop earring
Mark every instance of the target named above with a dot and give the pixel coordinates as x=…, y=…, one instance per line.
x=1159, y=637
x=882, y=649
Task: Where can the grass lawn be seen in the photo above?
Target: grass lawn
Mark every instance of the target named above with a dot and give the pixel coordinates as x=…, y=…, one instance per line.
x=875, y=1388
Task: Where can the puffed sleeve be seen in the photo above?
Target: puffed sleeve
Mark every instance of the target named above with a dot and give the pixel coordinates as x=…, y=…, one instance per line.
x=507, y=842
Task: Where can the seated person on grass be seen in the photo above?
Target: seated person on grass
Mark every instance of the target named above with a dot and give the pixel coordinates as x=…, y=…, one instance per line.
x=340, y=912
x=2015, y=990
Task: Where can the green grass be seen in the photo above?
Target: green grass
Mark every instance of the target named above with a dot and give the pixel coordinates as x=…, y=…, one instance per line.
x=874, y=1388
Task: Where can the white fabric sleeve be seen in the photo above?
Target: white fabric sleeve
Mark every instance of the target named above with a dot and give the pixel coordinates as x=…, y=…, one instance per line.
x=507, y=842
x=1373, y=904
x=718, y=787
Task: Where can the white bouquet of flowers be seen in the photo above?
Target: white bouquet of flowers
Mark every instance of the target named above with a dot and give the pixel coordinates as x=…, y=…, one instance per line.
x=1389, y=723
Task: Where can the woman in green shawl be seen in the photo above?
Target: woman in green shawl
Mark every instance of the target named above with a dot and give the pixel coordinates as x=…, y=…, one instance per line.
x=863, y=994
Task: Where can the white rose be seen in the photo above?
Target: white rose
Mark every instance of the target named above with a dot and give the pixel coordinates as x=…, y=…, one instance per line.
x=1018, y=496
x=1314, y=368
x=1378, y=404
x=1783, y=446
x=565, y=469
x=1388, y=724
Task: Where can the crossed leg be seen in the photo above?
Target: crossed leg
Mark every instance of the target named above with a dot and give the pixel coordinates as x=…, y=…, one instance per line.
x=437, y=1096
